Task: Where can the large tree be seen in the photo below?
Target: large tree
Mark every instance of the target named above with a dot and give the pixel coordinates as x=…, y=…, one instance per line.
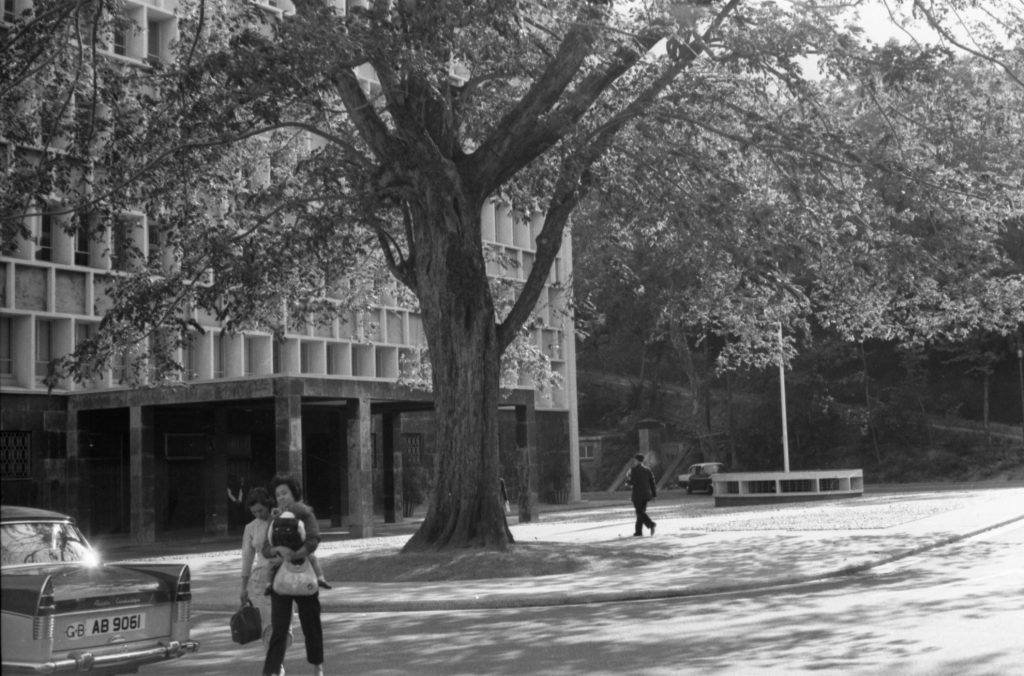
x=281, y=148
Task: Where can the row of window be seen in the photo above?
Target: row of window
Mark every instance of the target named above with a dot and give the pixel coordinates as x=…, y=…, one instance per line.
x=148, y=35
x=113, y=251
x=213, y=355
x=30, y=344
x=59, y=240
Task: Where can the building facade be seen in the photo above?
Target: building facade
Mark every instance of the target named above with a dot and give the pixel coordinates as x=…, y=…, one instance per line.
x=324, y=403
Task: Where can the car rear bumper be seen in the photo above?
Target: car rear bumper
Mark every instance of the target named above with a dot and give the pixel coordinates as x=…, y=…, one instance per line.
x=87, y=661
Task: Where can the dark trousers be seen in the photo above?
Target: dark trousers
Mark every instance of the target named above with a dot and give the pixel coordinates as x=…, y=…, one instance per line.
x=281, y=619
x=640, y=504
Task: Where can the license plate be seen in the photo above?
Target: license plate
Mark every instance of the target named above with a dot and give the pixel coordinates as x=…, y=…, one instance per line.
x=113, y=624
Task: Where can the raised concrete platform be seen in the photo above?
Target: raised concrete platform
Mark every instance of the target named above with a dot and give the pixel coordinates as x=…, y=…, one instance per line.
x=757, y=488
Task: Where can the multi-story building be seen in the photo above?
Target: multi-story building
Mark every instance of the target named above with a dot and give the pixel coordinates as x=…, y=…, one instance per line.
x=325, y=402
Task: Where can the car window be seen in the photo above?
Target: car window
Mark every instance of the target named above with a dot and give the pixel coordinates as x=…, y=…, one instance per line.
x=42, y=542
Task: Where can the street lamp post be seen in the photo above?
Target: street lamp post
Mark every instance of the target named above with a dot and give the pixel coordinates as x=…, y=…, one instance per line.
x=782, y=392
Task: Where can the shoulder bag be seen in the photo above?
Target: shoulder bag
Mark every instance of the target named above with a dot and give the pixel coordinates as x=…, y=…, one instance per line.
x=295, y=579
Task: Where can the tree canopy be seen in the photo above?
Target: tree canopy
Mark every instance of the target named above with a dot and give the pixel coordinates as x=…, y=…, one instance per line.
x=876, y=203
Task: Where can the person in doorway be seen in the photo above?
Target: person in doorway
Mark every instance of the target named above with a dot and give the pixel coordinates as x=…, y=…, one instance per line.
x=237, y=504
x=641, y=478
x=255, y=567
x=288, y=495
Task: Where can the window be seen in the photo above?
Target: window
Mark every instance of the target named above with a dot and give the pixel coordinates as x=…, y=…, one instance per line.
x=305, y=358
x=332, y=360
x=44, y=244
x=10, y=11
x=188, y=359
x=6, y=356
x=83, y=332
x=250, y=356
x=123, y=245
x=82, y=240
x=44, y=347
x=589, y=449
x=218, y=355
x=157, y=240
x=120, y=41
x=412, y=448
x=117, y=367
x=153, y=35
x=44, y=542
x=85, y=120
x=16, y=455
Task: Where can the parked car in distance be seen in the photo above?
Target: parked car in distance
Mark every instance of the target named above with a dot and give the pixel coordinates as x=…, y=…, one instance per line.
x=698, y=476
x=64, y=610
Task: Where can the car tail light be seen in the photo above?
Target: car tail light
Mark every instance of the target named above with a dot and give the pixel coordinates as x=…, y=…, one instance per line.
x=183, y=590
x=42, y=625
x=183, y=596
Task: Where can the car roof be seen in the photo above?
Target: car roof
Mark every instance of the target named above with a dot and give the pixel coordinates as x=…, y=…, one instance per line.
x=17, y=513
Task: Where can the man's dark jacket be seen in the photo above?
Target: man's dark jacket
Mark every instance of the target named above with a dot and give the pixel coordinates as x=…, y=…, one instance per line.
x=642, y=480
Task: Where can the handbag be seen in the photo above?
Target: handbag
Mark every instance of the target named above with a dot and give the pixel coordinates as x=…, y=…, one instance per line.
x=246, y=624
x=295, y=579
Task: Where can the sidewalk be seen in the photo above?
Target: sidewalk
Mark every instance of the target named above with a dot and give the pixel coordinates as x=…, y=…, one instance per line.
x=698, y=549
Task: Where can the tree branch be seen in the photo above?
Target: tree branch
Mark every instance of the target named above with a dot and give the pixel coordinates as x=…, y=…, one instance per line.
x=949, y=37
x=361, y=112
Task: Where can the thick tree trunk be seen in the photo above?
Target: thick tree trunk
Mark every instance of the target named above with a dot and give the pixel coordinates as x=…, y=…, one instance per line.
x=464, y=509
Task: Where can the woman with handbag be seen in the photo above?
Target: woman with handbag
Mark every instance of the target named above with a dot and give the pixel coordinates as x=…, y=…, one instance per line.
x=294, y=582
x=255, y=567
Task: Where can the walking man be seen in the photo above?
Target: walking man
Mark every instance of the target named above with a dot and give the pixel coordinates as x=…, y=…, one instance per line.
x=642, y=480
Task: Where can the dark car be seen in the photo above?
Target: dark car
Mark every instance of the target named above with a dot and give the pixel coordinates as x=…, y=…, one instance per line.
x=698, y=476
x=63, y=610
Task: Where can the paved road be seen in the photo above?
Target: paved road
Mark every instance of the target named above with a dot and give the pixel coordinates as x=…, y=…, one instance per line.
x=952, y=611
x=833, y=621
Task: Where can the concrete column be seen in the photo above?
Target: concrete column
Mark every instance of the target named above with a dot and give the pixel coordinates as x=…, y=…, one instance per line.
x=392, y=468
x=142, y=474
x=288, y=427
x=216, y=475
x=82, y=512
x=339, y=478
x=360, y=469
x=526, y=443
